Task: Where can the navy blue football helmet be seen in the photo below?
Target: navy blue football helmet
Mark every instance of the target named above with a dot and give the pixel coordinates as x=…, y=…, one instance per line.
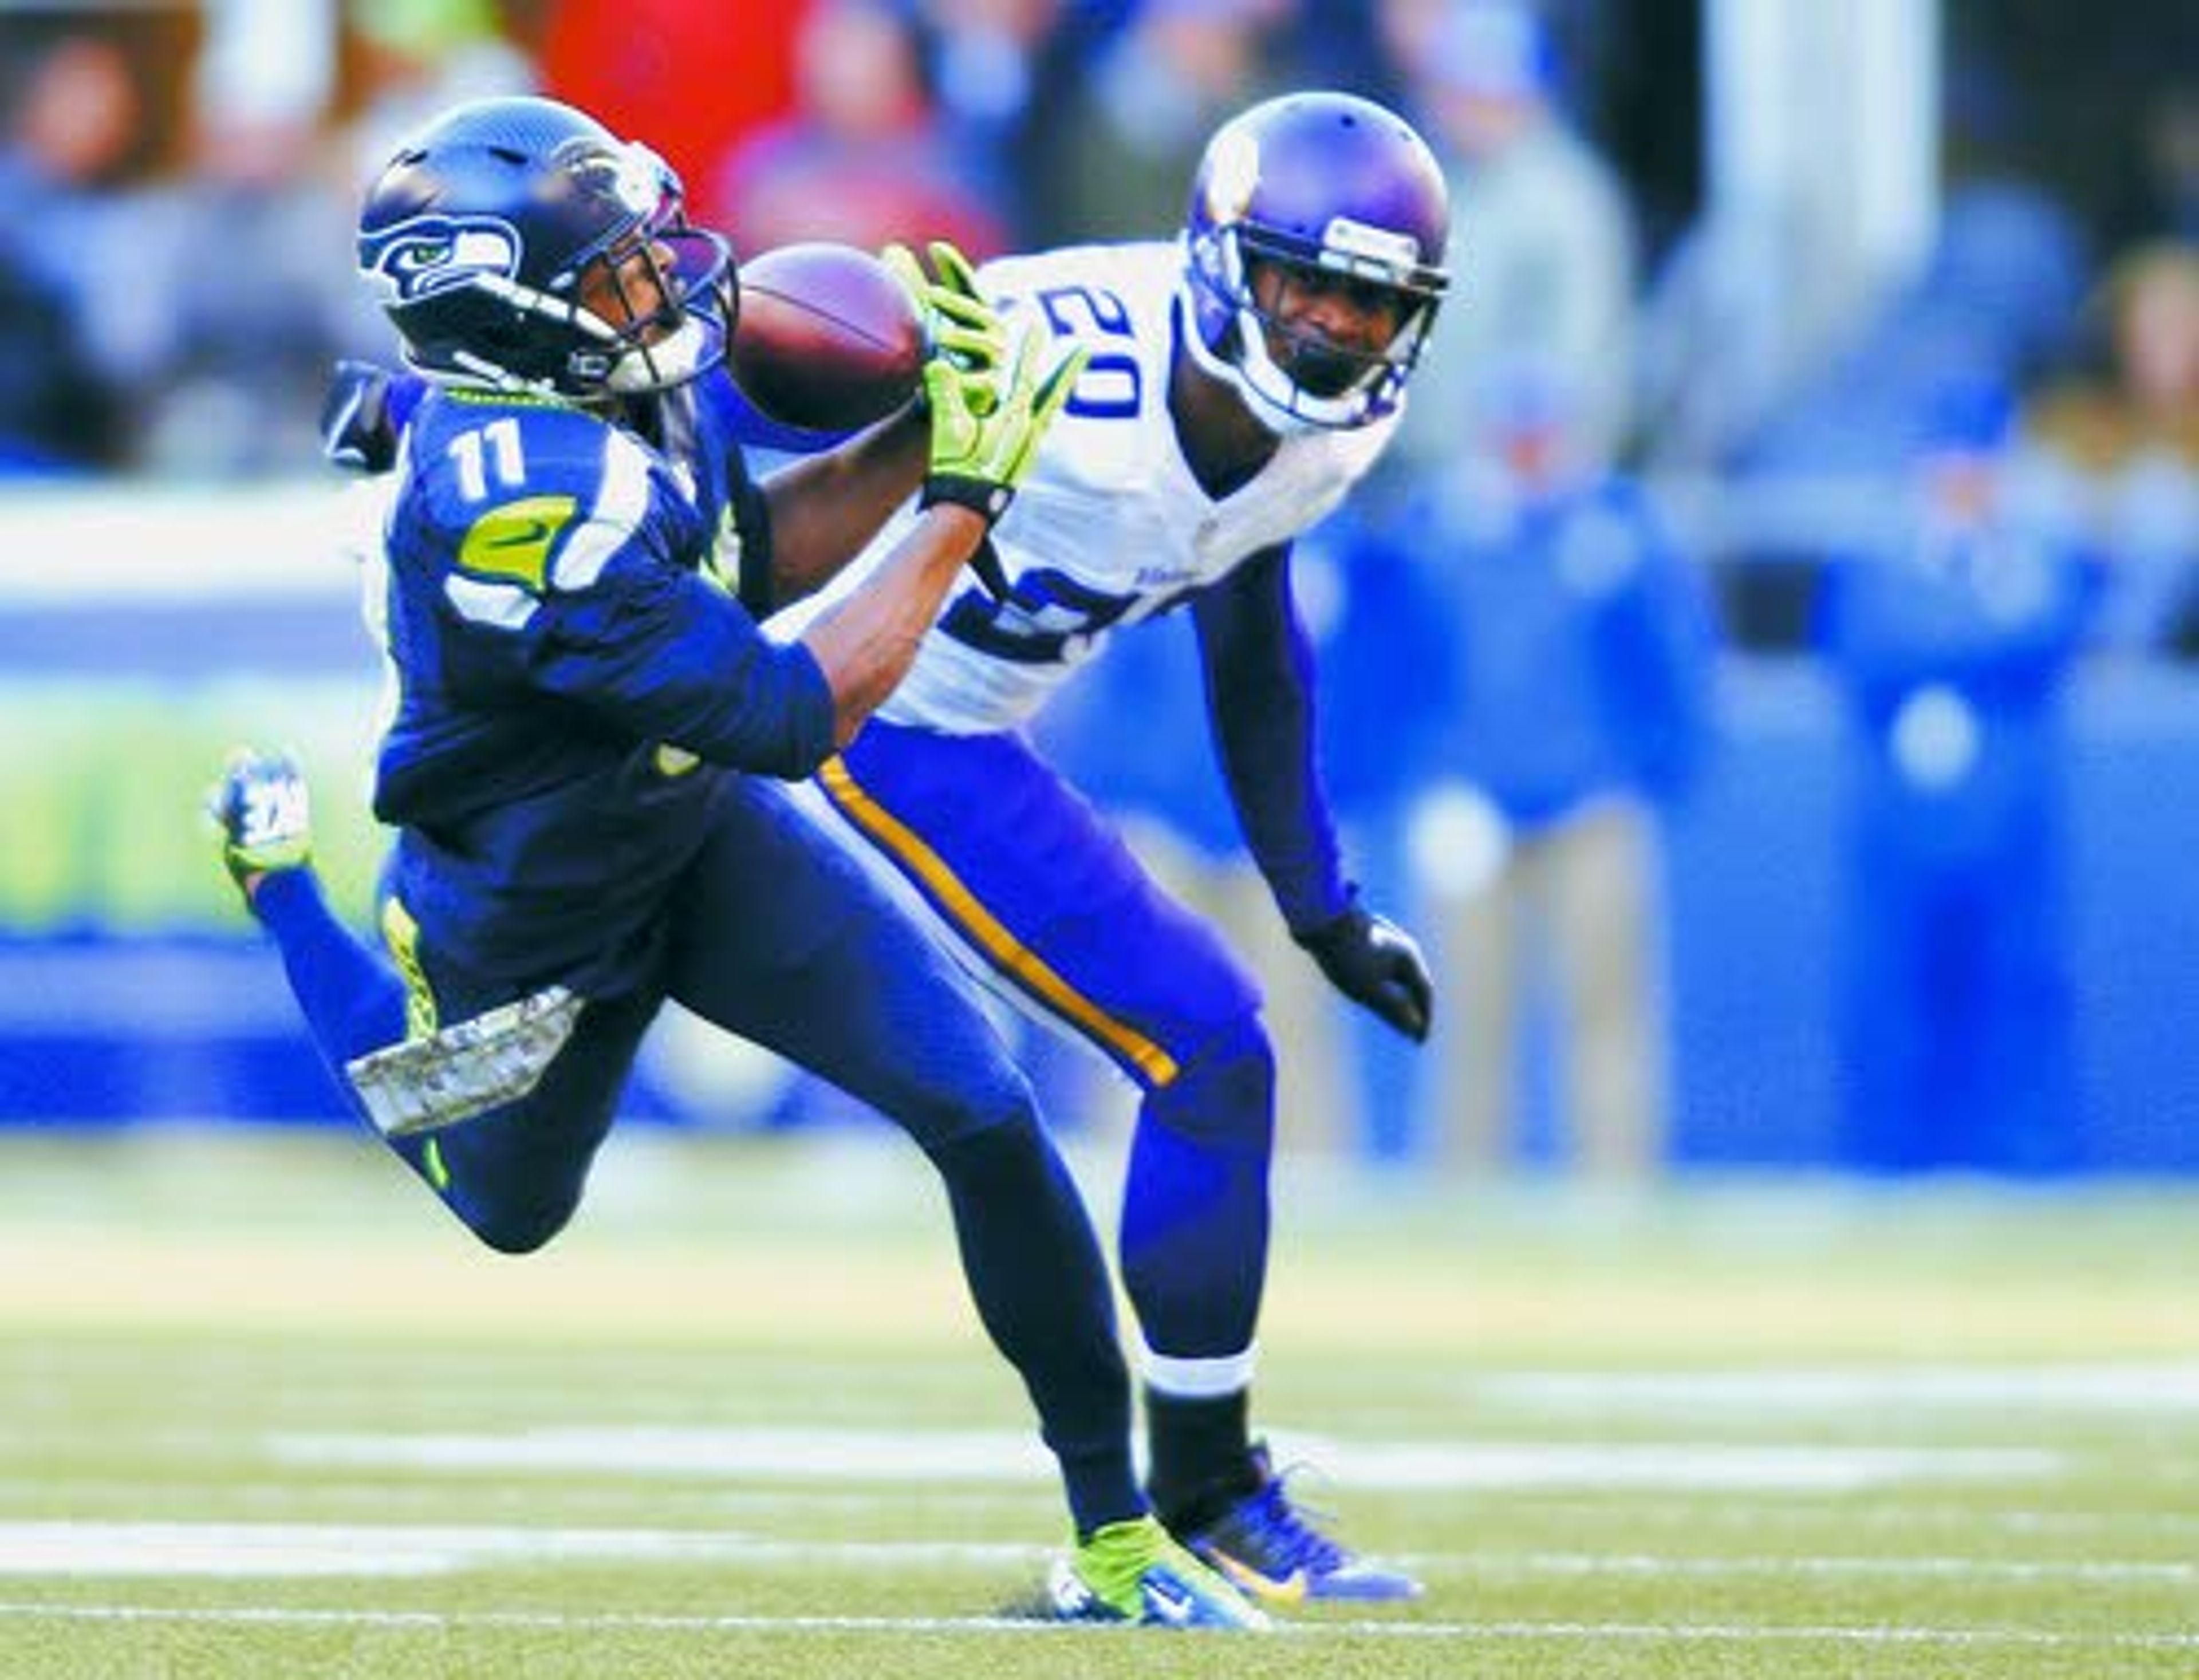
x=1321, y=181
x=480, y=231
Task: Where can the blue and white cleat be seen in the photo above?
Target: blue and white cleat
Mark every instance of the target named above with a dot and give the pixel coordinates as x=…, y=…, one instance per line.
x=265, y=817
x=1133, y=1573
x=1271, y=1551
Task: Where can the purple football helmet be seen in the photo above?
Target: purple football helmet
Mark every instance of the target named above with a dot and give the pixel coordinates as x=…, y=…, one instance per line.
x=480, y=231
x=1321, y=181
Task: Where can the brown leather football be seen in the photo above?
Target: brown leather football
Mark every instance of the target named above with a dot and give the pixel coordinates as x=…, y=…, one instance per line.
x=826, y=339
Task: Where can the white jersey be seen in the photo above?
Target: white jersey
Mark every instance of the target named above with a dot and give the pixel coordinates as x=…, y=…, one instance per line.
x=1110, y=527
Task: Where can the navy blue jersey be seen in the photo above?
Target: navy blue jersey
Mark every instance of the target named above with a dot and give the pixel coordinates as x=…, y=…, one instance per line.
x=575, y=676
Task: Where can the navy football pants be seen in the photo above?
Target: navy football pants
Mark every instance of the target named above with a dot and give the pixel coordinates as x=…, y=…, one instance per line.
x=774, y=934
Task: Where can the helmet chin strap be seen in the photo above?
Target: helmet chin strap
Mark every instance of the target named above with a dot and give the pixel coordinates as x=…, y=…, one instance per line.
x=691, y=349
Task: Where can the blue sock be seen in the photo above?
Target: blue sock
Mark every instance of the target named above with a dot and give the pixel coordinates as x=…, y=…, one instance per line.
x=1194, y=1235
x=352, y=1000
x=1035, y=1269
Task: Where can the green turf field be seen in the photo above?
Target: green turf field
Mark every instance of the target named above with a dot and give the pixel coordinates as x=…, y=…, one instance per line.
x=263, y=1414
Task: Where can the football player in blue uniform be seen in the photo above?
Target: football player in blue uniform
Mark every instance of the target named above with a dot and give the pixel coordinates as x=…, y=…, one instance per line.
x=1241, y=380
x=585, y=721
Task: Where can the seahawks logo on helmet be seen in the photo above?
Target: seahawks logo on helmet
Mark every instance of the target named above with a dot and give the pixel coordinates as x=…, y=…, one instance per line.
x=427, y=254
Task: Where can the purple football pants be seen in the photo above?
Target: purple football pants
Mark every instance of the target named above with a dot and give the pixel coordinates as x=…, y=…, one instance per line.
x=1029, y=879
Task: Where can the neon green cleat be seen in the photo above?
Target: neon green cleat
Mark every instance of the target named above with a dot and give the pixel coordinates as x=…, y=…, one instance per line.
x=265, y=816
x=1133, y=1572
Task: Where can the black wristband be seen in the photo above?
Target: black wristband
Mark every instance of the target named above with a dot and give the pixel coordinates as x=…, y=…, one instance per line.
x=980, y=495
x=1324, y=935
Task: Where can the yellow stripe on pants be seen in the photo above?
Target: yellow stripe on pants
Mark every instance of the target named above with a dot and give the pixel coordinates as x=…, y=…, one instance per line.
x=984, y=930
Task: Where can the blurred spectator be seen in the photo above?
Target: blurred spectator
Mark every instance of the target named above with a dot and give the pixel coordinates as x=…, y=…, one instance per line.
x=253, y=329
x=402, y=64
x=2133, y=435
x=1128, y=133
x=700, y=80
x=1997, y=298
x=56, y=412
x=1544, y=233
x=1377, y=602
x=997, y=68
x=1579, y=657
x=862, y=159
x=1716, y=353
x=1952, y=643
x=2168, y=191
x=83, y=133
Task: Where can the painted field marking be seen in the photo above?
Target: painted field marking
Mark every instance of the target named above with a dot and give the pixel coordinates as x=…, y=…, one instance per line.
x=272, y=1550
x=1675, y=1509
x=1673, y=1633
x=966, y=1456
x=1896, y=1568
x=2172, y=1387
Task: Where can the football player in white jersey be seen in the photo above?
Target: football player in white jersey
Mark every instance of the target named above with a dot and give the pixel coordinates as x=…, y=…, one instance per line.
x=1240, y=381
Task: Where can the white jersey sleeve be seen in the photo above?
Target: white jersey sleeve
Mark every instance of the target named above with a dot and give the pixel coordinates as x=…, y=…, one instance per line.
x=1110, y=527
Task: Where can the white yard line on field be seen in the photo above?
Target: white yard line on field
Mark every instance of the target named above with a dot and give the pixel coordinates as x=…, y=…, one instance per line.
x=132, y=1498
x=253, y=1551
x=964, y=1457
x=1718, y=1509
x=1670, y=1633
x=272, y=1550
x=1695, y=1514
x=2172, y=1387
x=1893, y=1568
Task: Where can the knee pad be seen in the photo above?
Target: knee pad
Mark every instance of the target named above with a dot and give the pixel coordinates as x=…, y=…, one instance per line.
x=983, y=1105
x=518, y=1219
x=510, y=1223
x=1224, y=1092
x=513, y=1228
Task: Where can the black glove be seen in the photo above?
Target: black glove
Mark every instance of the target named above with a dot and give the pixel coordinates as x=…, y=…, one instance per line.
x=1375, y=964
x=357, y=431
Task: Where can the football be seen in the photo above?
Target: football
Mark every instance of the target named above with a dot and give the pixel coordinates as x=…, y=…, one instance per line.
x=826, y=339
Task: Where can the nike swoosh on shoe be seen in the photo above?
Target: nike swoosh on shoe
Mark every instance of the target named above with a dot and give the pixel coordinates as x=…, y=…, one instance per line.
x=1291, y=1589
x=1170, y=1604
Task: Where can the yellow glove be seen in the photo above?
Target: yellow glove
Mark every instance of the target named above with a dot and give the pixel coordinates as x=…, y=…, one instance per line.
x=979, y=457
x=960, y=329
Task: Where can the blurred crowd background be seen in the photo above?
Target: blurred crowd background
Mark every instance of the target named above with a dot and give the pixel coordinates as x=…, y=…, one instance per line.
x=1763, y=674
